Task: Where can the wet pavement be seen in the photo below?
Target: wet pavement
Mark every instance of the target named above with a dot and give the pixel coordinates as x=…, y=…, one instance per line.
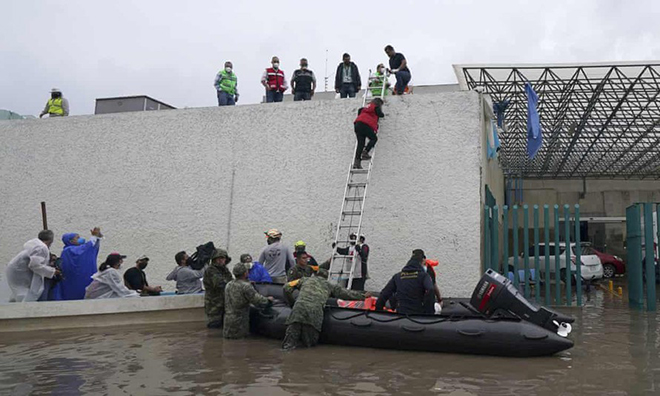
x=617, y=352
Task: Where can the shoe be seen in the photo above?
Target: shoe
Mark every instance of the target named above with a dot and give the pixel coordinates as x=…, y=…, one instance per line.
x=357, y=164
x=365, y=155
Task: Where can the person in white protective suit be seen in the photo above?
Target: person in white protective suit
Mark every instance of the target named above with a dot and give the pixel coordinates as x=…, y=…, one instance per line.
x=26, y=272
x=108, y=282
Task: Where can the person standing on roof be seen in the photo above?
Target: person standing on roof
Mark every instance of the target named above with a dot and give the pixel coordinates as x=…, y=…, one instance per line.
x=347, y=78
x=354, y=250
x=399, y=67
x=366, y=126
x=379, y=82
x=57, y=105
x=303, y=82
x=276, y=257
x=226, y=84
x=411, y=287
x=274, y=81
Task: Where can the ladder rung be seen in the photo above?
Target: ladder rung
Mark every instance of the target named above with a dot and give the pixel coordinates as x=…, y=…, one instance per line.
x=354, y=198
x=359, y=171
x=348, y=226
x=351, y=213
x=357, y=184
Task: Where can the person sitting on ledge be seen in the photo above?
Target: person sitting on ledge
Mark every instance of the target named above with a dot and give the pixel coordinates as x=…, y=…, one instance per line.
x=108, y=283
x=136, y=279
x=188, y=280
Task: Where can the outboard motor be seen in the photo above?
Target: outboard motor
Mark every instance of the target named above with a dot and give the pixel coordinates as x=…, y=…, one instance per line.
x=496, y=293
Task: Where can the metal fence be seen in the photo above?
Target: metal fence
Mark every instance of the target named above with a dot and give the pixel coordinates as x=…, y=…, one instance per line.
x=642, y=235
x=525, y=269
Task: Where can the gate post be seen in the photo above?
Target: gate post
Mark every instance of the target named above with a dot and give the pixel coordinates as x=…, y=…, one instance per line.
x=567, y=240
x=495, y=243
x=634, y=247
x=537, y=273
x=578, y=258
x=486, y=238
x=650, y=257
x=546, y=239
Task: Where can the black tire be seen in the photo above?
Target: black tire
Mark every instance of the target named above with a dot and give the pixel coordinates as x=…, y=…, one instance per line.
x=609, y=271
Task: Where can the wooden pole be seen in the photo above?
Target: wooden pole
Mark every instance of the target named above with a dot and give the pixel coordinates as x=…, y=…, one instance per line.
x=44, y=216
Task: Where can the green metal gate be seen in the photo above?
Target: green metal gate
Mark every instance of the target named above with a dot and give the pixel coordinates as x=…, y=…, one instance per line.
x=500, y=221
x=641, y=243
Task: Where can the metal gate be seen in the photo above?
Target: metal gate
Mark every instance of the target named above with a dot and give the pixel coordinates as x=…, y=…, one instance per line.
x=642, y=234
x=533, y=278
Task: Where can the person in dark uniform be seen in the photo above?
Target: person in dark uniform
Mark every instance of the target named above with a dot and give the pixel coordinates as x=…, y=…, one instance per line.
x=412, y=286
x=303, y=82
x=398, y=67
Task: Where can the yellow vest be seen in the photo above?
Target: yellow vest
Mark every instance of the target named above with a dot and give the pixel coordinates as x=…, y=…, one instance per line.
x=55, y=106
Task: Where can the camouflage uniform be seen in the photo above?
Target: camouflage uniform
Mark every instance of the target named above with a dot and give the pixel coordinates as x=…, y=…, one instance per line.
x=306, y=319
x=297, y=272
x=215, y=280
x=239, y=294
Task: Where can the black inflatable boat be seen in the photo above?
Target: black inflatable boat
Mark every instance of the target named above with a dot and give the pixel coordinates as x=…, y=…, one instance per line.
x=461, y=328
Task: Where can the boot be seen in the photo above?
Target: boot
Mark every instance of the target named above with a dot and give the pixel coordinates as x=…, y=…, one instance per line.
x=365, y=155
x=357, y=164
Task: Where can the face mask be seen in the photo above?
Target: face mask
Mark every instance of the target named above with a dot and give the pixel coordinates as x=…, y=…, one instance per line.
x=276, y=65
x=380, y=71
x=228, y=69
x=81, y=241
x=303, y=66
x=353, y=241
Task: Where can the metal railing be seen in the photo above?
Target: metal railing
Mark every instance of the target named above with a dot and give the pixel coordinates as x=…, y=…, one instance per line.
x=642, y=235
x=533, y=274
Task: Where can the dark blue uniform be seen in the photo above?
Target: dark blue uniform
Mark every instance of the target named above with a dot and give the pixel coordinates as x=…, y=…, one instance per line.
x=411, y=287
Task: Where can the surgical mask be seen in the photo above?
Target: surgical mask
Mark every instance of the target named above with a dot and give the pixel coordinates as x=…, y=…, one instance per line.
x=81, y=241
x=353, y=241
x=303, y=66
x=380, y=70
x=276, y=65
x=228, y=69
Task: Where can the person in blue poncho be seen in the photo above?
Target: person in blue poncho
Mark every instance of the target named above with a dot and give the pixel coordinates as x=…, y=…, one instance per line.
x=78, y=265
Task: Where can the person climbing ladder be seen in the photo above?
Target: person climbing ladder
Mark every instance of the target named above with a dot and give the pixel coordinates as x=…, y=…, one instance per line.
x=366, y=126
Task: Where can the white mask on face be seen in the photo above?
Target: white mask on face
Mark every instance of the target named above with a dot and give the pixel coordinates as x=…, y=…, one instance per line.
x=228, y=69
x=276, y=65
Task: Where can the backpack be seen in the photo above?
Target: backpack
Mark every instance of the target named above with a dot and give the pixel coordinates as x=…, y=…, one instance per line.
x=202, y=256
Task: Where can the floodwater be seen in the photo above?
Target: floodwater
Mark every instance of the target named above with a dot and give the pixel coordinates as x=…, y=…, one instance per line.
x=617, y=352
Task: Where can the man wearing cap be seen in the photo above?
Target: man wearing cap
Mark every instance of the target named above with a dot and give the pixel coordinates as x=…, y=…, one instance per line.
x=304, y=269
x=256, y=271
x=57, y=106
x=216, y=278
x=239, y=294
x=301, y=246
x=276, y=257
x=136, y=279
x=412, y=287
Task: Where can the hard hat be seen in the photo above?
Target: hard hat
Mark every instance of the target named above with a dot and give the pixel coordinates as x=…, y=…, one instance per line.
x=55, y=90
x=273, y=233
x=300, y=244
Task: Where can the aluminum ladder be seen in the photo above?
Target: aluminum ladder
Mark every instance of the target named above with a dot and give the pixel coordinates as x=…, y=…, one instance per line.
x=342, y=267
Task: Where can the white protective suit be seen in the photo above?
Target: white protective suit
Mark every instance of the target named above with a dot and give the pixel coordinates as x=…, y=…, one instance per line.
x=26, y=271
x=108, y=284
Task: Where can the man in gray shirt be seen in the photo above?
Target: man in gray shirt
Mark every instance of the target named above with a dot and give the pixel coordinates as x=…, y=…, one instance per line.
x=187, y=279
x=277, y=258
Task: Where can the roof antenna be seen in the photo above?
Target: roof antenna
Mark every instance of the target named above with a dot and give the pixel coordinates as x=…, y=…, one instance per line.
x=326, y=71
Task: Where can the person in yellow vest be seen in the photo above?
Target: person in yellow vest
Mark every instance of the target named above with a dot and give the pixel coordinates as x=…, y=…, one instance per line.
x=226, y=85
x=378, y=80
x=57, y=106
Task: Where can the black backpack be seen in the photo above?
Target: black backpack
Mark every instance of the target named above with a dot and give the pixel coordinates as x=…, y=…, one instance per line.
x=202, y=256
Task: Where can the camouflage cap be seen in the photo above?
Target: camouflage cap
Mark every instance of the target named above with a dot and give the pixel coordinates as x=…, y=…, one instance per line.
x=219, y=253
x=239, y=269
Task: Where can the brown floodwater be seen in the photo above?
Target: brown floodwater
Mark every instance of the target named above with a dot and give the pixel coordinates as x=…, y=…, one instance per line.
x=617, y=352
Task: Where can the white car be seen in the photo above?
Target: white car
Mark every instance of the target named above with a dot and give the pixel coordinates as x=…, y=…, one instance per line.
x=591, y=268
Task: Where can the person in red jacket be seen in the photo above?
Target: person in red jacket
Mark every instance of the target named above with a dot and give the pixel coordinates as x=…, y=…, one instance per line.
x=366, y=126
x=274, y=81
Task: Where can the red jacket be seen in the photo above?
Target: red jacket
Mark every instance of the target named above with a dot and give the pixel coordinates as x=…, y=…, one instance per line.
x=275, y=79
x=369, y=115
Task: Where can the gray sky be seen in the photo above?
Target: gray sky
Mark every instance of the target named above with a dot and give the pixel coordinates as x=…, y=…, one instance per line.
x=171, y=50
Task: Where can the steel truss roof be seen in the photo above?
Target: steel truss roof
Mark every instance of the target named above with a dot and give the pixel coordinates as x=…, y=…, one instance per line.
x=598, y=120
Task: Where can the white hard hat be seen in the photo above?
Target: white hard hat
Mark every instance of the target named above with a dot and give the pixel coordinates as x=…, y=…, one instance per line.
x=55, y=90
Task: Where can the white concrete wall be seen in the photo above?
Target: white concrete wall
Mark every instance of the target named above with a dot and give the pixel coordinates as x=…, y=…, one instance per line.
x=160, y=182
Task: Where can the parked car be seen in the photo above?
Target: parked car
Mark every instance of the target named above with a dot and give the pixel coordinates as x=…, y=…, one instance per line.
x=591, y=268
x=612, y=265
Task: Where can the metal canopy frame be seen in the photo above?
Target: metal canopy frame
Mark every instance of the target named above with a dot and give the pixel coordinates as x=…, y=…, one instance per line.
x=598, y=120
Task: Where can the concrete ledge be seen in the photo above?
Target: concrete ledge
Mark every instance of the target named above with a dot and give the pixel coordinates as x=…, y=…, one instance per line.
x=52, y=315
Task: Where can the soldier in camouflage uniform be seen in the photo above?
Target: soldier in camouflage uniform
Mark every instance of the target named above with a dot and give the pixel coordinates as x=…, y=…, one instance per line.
x=239, y=294
x=216, y=278
x=306, y=318
x=303, y=268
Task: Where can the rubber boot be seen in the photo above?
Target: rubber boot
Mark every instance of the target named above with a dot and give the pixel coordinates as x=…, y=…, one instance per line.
x=357, y=164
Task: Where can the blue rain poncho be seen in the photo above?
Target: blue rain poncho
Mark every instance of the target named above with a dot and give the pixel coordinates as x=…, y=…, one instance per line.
x=78, y=266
